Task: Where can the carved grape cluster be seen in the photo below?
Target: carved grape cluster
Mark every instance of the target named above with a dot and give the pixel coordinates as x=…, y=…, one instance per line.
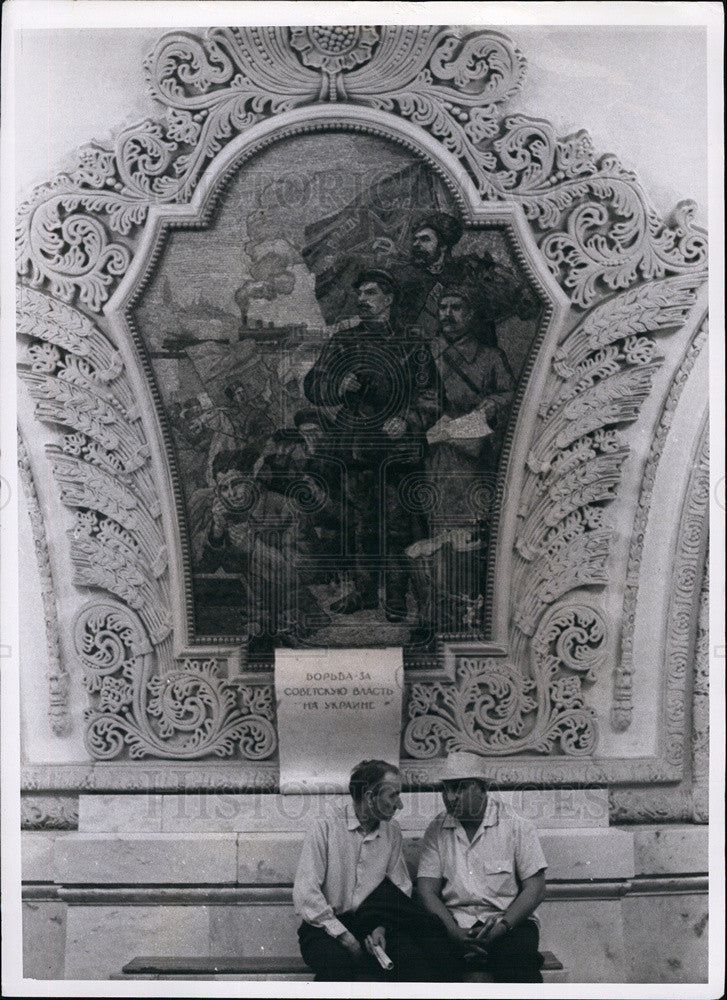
x=334, y=40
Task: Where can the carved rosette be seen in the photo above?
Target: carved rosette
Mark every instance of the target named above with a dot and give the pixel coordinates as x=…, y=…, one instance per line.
x=186, y=713
x=492, y=708
x=333, y=49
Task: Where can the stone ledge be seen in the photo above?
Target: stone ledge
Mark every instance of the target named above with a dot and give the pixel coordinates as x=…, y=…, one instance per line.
x=575, y=855
x=265, y=858
x=282, y=895
x=178, y=858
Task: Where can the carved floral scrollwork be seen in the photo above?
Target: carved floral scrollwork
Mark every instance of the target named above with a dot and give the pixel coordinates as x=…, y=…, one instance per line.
x=493, y=708
x=598, y=231
x=185, y=713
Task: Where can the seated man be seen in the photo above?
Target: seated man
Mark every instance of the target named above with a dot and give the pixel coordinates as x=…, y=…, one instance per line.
x=482, y=873
x=352, y=888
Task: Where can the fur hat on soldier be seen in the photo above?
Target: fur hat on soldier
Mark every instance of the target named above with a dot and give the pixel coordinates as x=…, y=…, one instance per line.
x=448, y=228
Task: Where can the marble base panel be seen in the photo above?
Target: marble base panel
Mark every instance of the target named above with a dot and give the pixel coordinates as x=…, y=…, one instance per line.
x=635, y=938
x=666, y=938
x=272, y=857
x=253, y=930
x=575, y=855
x=587, y=936
x=44, y=939
x=267, y=859
x=37, y=855
x=100, y=940
x=257, y=812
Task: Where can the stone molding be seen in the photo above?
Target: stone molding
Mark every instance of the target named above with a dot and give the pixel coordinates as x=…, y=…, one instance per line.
x=283, y=896
x=48, y=812
x=700, y=708
x=629, y=276
x=621, y=712
x=687, y=661
x=57, y=674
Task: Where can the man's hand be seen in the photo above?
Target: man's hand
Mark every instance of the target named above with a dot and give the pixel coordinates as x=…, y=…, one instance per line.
x=219, y=520
x=439, y=433
x=460, y=935
x=394, y=427
x=490, y=931
x=377, y=936
x=351, y=945
x=490, y=408
x=350, y=383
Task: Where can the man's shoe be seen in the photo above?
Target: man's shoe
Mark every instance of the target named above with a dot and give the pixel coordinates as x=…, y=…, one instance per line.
x=354, y=602
x=347, y=605
x=396, y=611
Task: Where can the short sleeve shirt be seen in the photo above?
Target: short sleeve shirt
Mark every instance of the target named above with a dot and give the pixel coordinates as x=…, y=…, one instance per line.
x=340, y=865
x=482, y=877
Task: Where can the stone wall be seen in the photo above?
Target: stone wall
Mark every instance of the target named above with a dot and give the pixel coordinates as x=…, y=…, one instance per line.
x=212, y=875
x=151, y=814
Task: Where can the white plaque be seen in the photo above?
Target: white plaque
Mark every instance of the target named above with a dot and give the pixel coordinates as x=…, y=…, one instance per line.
x=336, y=707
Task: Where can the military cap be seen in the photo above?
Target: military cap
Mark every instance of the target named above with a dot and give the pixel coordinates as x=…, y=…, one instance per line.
x=383, y=279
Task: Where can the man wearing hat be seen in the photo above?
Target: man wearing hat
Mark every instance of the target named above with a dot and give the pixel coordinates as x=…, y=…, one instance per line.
x=482, y=872
x=478, y=388
x=434, y=236
x=352, y=890
x=379, y=389
x=462, y=458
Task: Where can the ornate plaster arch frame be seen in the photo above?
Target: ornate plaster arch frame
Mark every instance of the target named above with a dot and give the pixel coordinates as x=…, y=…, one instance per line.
x=637, y=279
x=345, y=118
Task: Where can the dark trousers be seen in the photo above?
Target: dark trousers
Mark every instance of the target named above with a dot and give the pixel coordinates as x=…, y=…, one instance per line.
x=379, y=529
x=513, y=958
x=331, y=962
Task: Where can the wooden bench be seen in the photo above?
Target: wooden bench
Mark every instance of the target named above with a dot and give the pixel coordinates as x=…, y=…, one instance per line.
x=262, y=967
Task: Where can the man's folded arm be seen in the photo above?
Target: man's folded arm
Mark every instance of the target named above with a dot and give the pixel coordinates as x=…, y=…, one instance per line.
x=429, y=892
x=308, y=898
x=531, y=894
x=397, y=870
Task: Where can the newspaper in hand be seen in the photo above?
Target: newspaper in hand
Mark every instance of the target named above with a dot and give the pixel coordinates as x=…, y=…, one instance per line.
x=471, y=425
x=381, y=957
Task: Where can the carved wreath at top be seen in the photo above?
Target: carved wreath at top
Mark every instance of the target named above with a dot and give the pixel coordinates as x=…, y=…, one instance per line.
x=596, y=230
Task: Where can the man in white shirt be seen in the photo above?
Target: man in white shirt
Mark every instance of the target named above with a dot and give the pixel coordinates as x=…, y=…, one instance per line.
x=352, y=875
x=482, y=872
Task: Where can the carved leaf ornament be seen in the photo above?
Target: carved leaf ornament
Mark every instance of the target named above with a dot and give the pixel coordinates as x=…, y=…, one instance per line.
x=76, y=237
